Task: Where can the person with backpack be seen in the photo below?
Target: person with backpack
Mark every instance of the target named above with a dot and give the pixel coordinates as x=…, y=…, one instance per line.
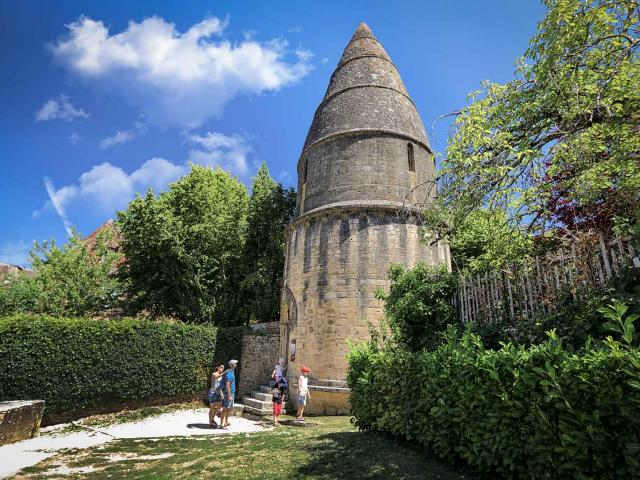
x=215, y=396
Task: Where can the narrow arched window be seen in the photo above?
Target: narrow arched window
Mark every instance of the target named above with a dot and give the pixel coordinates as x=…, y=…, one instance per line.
x=412, y=162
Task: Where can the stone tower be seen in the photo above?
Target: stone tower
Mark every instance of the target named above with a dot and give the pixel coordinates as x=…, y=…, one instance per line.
x=365, y=163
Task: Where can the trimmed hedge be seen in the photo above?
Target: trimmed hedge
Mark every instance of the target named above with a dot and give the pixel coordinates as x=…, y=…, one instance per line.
x=76, y=363
x=525, y=413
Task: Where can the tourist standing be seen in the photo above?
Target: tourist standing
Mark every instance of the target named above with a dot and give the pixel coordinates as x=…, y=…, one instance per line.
x=215, y=395
x=228, y=393
x=303, y=392
x=278, y=370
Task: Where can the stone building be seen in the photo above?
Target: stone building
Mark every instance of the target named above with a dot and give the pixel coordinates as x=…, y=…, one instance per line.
x=365, y=167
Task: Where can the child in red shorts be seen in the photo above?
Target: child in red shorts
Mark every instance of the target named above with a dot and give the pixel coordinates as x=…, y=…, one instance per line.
x=277, y=399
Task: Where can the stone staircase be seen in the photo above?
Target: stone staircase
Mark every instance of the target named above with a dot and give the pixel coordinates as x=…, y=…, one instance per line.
x=258, y=403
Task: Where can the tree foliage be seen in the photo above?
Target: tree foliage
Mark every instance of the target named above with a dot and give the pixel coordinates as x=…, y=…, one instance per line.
x=483, y=241
x=271, y=208
x=558, y=146
x=183, y=247
x=77, y=279
x=418, y=306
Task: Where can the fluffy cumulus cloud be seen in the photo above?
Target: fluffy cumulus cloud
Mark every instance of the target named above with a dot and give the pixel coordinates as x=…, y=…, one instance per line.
x=178, y=77
x=229, y=152
x=59, y=108
x=123, y=136
x=109, y=187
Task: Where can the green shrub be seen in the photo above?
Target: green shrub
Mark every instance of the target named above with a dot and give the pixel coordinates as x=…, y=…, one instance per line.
x=522, y=413
x=18, y=294
x=574, y=321
x=418, y=305
x=78, y=363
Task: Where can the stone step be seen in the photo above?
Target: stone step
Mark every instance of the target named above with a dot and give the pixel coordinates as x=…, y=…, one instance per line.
x=237, y=410
x=265, y=397
x=265, y=389
x=258, y=404
x=255, y=413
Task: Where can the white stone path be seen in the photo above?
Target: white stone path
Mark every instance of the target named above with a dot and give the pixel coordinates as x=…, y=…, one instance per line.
x=180, y=423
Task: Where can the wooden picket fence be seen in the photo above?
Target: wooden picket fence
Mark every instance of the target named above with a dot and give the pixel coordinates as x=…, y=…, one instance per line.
x=534, y=286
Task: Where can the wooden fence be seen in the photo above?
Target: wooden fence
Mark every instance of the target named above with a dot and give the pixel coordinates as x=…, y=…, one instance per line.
x=533, y=286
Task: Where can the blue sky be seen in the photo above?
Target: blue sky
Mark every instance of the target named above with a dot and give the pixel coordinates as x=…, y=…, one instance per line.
x=101, y=99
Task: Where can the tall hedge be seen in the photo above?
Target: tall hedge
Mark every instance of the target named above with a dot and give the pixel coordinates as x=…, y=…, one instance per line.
x=523, y=413
x=80, y=363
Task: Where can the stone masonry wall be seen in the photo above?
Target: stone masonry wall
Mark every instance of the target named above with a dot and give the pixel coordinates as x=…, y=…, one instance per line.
x=362, y=167
x=335, y=265
x=260, y=352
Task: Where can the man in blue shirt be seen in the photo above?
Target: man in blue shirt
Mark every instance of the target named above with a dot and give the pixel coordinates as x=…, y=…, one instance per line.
x=228, y=393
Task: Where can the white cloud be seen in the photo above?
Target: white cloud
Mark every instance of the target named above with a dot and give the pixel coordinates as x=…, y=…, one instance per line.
x=75, y=138
x=14, y=253
x=59, y=108
x=229, y=152
x=109, y=188
x=57, y=199
x=177, y=77
x=123, y=136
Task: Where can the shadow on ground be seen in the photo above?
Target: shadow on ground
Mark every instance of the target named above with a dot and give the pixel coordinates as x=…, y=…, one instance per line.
x=203, y=426
x=358, y=455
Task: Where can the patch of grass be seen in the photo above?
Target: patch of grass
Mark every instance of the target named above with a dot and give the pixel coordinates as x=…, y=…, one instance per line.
x=330, y=448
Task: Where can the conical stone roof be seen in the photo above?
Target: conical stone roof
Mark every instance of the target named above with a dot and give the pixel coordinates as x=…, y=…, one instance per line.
x=366, y=93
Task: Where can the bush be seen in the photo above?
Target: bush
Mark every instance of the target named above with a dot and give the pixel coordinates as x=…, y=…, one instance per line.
x=77, y=363
x=418, y=305
x=574, y=322
x=18, y=294
x=523, y=413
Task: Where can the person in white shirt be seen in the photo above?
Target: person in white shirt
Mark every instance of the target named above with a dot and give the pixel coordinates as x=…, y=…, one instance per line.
x=278, y=371
x=303, y=392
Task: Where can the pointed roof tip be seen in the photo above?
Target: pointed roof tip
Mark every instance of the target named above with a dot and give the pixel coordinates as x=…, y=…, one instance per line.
x=363, y=31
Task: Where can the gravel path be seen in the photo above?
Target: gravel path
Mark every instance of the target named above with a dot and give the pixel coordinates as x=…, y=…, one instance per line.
x=180, y=423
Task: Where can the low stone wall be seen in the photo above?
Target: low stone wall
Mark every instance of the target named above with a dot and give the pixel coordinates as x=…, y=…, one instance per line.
x=20, y=420
x=260, y=351
x=328, y=397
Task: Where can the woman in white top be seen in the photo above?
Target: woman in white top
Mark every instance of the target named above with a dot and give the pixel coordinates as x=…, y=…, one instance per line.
x=215, y=395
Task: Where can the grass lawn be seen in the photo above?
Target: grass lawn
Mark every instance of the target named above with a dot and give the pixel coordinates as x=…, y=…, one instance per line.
x=330, y=448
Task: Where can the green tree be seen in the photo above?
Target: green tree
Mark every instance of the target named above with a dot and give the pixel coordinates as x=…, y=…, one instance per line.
x=271, y=208
x=483, y=241
x=418, y=306
x=559, y=146
x=183, y=248
x=75, y=280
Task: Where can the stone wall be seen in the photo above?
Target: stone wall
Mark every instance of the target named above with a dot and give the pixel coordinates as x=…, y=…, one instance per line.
x=260, y=352
x=366, y=166
x=20, y=420
x=335, y=264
